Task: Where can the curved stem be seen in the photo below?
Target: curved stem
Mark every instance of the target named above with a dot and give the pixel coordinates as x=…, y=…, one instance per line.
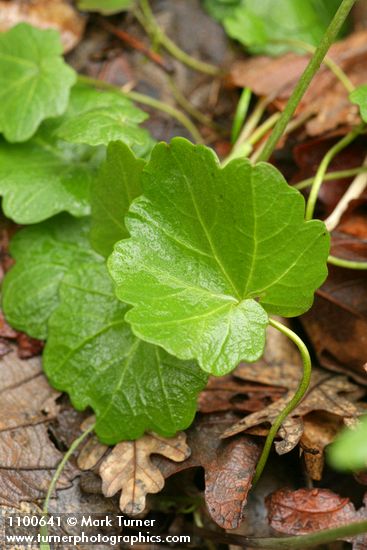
x=287, y=543
x=308, y=74
x=328, y=61
x=146, y=100
x=339, y=174
x=154, y=29
x=349, y=264
x=301, y=390
x=56, y=476
x=321, y=171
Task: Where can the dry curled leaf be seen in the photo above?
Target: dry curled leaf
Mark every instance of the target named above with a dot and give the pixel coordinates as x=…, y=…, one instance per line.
x=228, y=393
x=28, y=458
x=129, y=468
x=337, y=322
x=326, y=99
x=58, y=14
x=319, y=430
x=229, y=467
x=307, y=510
x=281, y=366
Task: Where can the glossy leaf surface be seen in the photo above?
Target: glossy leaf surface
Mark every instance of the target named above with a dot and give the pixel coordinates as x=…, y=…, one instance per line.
x=118, y=183
x=213, y=251
x=45, y=176
x=97, y=117
x=43, y=254
x=34, y=80
x=92, y=354
x=262, y=25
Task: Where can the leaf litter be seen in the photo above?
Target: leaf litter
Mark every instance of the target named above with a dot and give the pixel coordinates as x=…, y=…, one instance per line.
x=242, y=393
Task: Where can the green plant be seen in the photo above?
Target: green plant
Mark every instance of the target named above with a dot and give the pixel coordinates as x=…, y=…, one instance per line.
x=195, y=269
x=266, y=27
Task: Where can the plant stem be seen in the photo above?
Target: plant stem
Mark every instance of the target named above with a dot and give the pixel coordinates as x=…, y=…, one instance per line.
x=339, y=174
x=154, y=29
x=321, y=171
x=191, y=109
x=287, y=543
x=301, y=390
x=146, y=100
x=54, y=480
x=349, y=264
x=328, y=61
x=241, y=113
x=307, y=76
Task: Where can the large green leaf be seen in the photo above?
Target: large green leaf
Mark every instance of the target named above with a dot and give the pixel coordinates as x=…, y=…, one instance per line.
x=43, y=254
x=259, y=25
x=34, y=80
x=45, y=176
x=98, y=117
x=349, y=450
x=105, y=6
x=92, y=354
x=212, y=252
x=359, y=96
x=118, y=183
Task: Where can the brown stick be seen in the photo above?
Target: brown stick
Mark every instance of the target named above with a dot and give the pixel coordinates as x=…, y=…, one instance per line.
x=138, y=45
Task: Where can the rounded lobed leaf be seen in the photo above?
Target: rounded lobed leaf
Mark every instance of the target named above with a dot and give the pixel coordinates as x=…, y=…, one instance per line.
x=43, y=254
x=34, y=80
x=92, y=354
x=213, y=251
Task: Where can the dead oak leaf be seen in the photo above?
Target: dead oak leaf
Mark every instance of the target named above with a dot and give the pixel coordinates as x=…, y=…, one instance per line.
x=307, y=510
x=129, y=468
x=229, y=468
x=280, y=366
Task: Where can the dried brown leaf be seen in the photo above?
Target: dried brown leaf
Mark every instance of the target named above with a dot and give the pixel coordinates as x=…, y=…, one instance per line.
x=281, y=366
x=58, y=14
x=306, y=510
x=228, y=393
x=337, y=322
x=326, y=98
x=27, y=456
x=129, y=468
x=229, y=467
x=319, y=430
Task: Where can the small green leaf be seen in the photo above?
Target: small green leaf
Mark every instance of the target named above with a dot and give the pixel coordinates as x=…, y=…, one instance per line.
x=260, y=25
x=212, y=252
x=349, y=450
x=117, y=185
x=359, y=97
x=45, y=176
x=34, y=80
x=105, y=6
x=43, y=254
x=98, y=117
x=92, y=354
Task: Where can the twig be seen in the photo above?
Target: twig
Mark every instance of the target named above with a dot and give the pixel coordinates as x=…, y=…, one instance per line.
x=136, y=44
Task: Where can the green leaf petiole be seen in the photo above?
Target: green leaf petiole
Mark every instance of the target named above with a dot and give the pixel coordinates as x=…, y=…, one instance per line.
x=296, y=399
